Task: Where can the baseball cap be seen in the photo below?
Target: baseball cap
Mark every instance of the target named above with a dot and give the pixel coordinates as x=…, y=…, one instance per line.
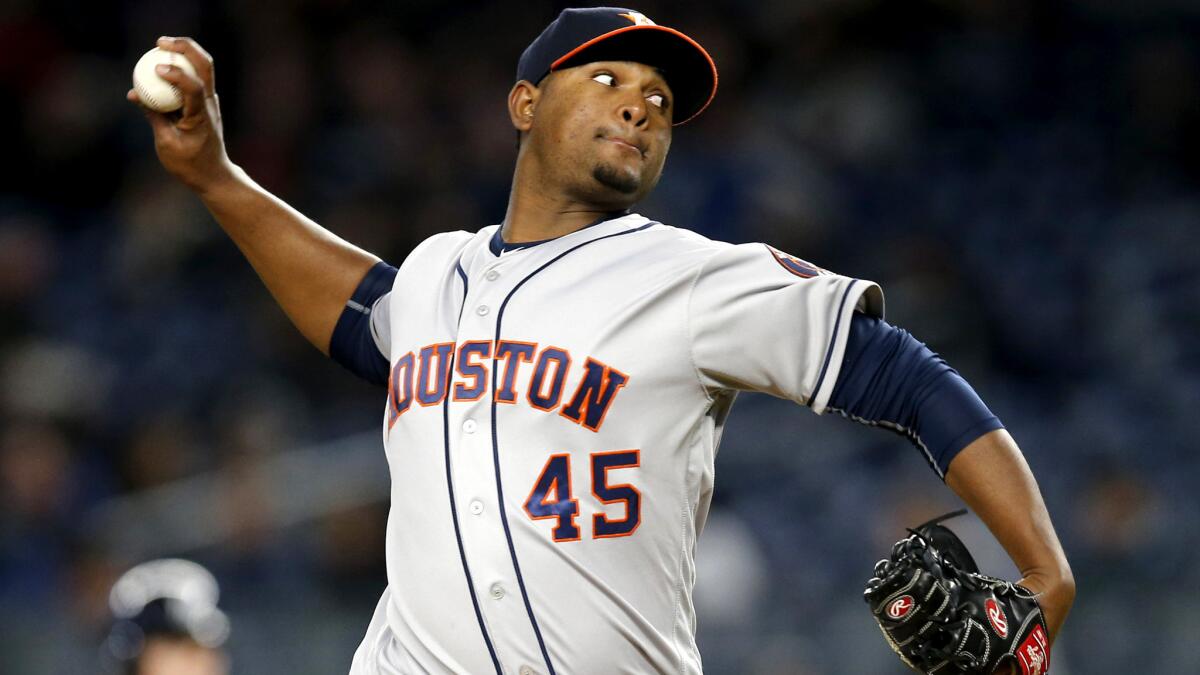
x=166, y=597
x=584, y=35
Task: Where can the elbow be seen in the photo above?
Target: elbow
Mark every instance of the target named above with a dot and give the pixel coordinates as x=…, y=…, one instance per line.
x=1062, y=580
x=1057, y=584
x=1064, y=586
x=1056, y=595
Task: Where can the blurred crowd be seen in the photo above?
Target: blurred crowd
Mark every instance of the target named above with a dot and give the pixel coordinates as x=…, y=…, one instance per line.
x=1020, y=176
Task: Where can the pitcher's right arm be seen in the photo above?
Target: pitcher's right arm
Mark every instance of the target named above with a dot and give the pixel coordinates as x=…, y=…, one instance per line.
x=309, y=271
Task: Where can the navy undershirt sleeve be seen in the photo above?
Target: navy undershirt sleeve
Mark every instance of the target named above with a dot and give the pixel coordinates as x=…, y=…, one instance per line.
x=352, y=344
x=891, y=380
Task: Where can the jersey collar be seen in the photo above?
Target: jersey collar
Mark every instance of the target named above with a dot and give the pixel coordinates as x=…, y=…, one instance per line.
x=497, y=245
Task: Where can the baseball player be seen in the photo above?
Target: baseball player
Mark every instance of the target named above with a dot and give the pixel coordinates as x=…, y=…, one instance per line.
x=166, y=621
x=557, y=383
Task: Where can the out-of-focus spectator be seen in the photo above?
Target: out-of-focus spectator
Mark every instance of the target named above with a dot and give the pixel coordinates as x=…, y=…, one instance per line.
x=166, y=621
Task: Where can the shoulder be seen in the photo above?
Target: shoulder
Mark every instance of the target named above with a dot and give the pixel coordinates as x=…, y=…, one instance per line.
x=682, y=245
x=761, y=258
x=690, y=251
x=439, y=248
x=705, y=256
x=742, y=270
x=668, y=240
x=709, y=255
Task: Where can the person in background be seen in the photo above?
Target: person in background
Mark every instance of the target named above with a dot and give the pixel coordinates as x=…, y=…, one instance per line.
x=166, y=621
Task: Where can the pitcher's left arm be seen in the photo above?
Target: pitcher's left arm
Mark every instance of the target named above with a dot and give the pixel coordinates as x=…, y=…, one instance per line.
x=890, y=379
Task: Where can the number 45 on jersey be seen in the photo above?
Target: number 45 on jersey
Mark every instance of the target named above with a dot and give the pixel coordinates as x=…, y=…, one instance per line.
x=551, y=496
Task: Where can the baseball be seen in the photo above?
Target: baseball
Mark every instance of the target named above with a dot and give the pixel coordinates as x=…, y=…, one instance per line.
x=155, y=92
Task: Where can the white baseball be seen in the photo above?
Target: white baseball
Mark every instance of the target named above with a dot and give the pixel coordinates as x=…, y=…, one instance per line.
x=155, y=92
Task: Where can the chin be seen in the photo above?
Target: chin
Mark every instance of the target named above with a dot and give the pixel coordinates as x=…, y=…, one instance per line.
x=624, y=181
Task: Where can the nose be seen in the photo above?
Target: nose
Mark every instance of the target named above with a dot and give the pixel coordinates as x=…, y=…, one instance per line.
x=634, y=111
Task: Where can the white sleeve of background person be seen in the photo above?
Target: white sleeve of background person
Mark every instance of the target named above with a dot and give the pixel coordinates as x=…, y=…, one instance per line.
x=381, y=326
x=762, y=320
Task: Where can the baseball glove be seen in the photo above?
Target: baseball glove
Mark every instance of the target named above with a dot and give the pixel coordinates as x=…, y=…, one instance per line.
x=942, y=616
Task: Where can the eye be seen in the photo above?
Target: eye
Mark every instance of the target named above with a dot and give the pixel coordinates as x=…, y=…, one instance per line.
x=657, y=100
x=605, y=79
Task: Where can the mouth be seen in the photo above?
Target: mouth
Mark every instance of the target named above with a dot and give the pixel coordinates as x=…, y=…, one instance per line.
x=628, y=145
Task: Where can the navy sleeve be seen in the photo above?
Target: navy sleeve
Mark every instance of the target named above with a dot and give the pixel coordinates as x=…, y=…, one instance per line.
x=352, y=344
x=891, y=380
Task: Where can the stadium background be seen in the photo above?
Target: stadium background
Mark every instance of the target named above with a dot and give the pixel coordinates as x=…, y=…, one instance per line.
x=1019, y=175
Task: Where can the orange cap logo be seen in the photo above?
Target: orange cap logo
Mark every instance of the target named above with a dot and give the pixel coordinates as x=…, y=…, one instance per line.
x=638, y=19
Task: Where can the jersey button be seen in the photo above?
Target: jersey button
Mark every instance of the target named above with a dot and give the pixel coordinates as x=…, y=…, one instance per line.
x=496, y=591
x=492, y=276
x=526, y=670
x=469, y=426
x=482, y=310
x=476, y=507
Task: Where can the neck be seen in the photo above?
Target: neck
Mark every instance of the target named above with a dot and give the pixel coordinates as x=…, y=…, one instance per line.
x=542, y=209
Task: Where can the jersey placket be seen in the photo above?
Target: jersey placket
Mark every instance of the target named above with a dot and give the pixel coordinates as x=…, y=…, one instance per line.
x=480, y=514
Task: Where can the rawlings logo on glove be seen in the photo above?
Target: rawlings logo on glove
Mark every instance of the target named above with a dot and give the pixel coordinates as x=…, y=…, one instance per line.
x=899, y=607
x=996, y=616
x=942, y=616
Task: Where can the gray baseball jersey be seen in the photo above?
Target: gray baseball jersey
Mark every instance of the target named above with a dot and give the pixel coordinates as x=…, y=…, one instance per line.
x=552, y=419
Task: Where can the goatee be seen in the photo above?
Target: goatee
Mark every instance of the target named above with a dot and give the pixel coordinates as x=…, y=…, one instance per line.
x=623, y=182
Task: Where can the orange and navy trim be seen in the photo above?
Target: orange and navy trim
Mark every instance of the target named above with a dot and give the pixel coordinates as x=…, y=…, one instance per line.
x=551, y=497
x=622, y=493
x=476, y=372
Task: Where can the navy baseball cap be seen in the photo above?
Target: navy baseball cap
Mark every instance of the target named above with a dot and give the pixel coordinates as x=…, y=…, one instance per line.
x=584, y=35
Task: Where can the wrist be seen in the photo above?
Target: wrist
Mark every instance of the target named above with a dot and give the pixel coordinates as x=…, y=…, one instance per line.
x=1055, y=594
x=1059, y=585
x=228, y=177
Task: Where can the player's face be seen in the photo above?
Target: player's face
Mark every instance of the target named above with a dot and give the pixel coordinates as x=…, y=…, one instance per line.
x=166, y=656
x=606, y=128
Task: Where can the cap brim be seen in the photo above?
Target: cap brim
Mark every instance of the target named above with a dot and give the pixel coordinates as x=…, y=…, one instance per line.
x=687, y=67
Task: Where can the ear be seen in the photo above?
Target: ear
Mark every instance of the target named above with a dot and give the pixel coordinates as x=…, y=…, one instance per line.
x=521, y=102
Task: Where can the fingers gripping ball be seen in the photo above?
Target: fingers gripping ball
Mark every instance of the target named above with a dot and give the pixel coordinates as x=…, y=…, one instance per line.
x=942, y=616
x=155, y=92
